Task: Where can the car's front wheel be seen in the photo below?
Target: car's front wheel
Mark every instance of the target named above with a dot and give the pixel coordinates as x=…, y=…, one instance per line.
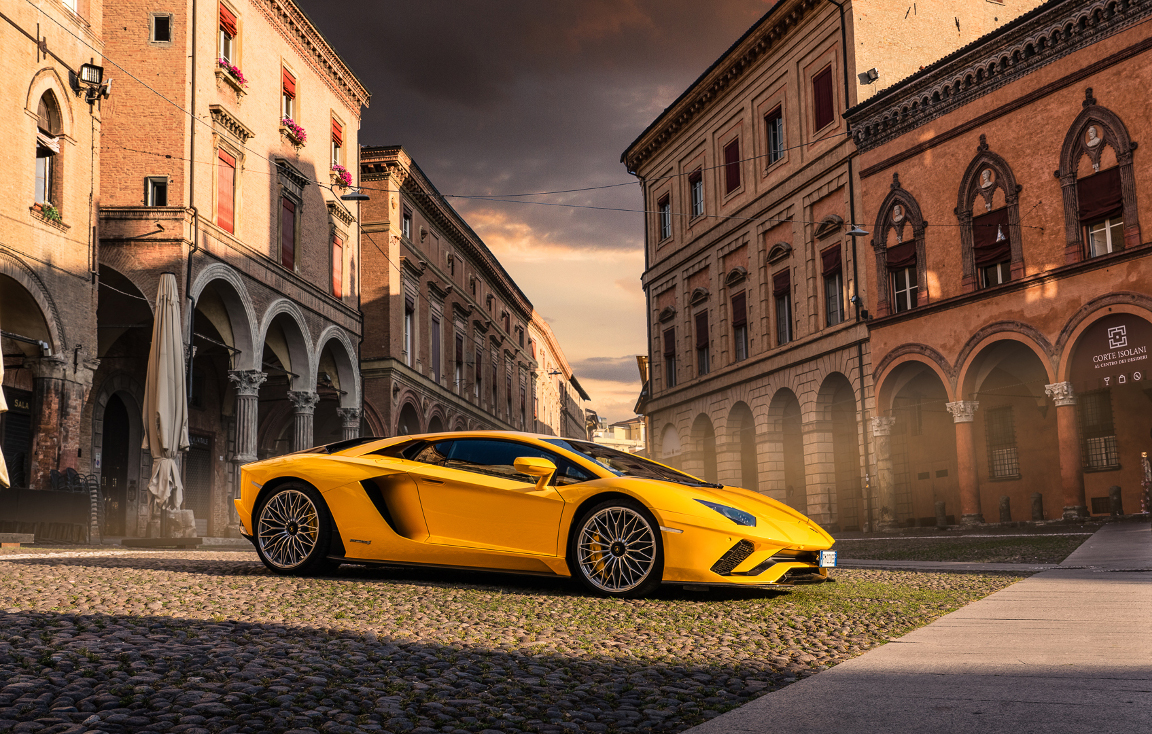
x=293, y=530
x=616, y=549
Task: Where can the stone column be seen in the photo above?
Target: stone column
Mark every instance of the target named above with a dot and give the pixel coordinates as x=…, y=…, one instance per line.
x=820, y=471
x=885, y=476
x=349, y=422
x=305, y=403
x=247, y=384
x=1071, y=472
x=963, y=413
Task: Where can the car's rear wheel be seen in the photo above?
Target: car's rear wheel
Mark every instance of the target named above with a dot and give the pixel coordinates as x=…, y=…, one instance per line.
x=294, y=530
x=615, y=549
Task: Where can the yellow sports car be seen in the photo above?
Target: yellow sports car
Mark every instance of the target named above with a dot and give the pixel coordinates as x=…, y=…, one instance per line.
x=522, y=503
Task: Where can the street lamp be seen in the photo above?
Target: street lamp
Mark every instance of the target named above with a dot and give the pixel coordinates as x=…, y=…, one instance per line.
x=355, y=195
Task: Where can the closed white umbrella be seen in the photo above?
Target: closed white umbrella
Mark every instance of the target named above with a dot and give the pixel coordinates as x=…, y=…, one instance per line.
x=4, y=482
x=165, y=399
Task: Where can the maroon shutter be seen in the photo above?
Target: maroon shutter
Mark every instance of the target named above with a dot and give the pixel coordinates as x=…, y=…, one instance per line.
x=228, y=21
x=409, y=303
x=1100, y=196
x=985, y=230
x=226, y=191
x=732, y=166
x=459, y=349
x=781, y=283
x=902, y=256
x=289, y=82
x=669, y=343
x=830, y=260
x=337, y=267
x=739, y=309
x=702, y=330
x=288, y=234
x=822, y=97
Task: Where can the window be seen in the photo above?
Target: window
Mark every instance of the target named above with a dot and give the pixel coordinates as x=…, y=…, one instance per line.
x=696, y=191
x=520, y=336
x=497, y=458
x=338, y=144
x=495, y=386
x=228, y=35
x=156, y=191
x=833, y=285
x=479, y=367
x=472, y=285
x=508, y=392
x=406, y=224
x=161, y=29
x=732, y=166
x=669, y=358
x=459, y=373
x=435, y=350
x=1097, y=432
x=47, y=150
x=288, y=94
x=782, y=292
x=992, y=247
x=664, y=213
x=904, y=288
x=523, y=405
x=225, y=191
x=409, y=318
x=823, y=99
x=994, y=275
x=1003, y=459
x=740, y=326
x=337, y=266
x=1101, y=211
x=287, y=233
x=702, y=341
x=774, y=123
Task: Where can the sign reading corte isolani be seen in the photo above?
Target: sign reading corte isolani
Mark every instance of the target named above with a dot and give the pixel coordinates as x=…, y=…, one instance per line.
x=1113, y=351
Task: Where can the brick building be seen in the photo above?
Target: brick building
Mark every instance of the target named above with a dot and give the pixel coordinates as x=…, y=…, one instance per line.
x=760, y=365
x=222, y=145
x=50, y=165
x=1009, y=274
x=445, y=327
x=558, y=393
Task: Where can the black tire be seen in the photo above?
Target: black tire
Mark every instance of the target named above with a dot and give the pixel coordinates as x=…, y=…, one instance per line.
x=293, y=531
x=627, y=564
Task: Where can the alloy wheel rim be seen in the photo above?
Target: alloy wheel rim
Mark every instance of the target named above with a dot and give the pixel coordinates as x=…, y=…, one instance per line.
x=616, y=549
x=289, y=529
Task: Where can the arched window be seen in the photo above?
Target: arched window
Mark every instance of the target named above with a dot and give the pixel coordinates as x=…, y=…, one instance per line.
x=989, y=215
x=1099, y=186
x=48, y=152
x=901, y=263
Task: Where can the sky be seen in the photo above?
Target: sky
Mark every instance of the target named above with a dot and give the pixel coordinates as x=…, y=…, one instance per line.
x=498, y=97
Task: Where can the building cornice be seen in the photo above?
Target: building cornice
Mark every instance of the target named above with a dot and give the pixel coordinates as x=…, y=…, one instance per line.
x=1035, y=39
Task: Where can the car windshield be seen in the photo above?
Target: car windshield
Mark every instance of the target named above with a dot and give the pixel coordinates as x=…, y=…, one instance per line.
x=627, y=465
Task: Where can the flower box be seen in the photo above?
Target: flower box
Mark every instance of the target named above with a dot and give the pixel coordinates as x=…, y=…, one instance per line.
x=341, y=176
x=295, y=134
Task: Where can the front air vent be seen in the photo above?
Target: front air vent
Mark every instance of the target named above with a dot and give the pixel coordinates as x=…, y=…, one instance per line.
x=733, y=558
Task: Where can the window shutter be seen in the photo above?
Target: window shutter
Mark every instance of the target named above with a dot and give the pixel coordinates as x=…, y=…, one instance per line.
x=288, y=233
x=984, y=231
x=337, y=267
x=702, y=330
x=830, y=260
x=669, y=343
x=225, y=191
x=1100, y=196
x=822, y=98
x=289, y=84
x=228, y=21
x=337, y=133
x=459, y=349
x=732, y=166
x=902, y=256
x=409, y=303
x=781, y=283
x=740, y=309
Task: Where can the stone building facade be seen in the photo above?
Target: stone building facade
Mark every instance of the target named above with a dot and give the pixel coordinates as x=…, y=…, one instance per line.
x=1005, y=184
x=760, y=364
x=445, y=327
x=50, y=165
x=225, y=169
x=557, y=392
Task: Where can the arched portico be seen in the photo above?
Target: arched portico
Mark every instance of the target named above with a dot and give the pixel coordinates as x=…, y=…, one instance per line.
x=784, y=451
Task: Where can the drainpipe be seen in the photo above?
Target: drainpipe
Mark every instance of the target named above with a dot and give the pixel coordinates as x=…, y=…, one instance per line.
x=192, y=208
x=647, y=313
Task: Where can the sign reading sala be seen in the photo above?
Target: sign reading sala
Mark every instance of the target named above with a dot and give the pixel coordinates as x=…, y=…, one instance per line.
x=1113, y=351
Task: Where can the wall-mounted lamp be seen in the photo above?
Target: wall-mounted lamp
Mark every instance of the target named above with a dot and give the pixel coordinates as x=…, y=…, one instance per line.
x=856, y=232
x=355, y=195
x=91, y=78
x=867, y=77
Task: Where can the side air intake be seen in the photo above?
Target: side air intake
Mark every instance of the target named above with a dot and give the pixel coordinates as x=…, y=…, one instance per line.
x=733, y=558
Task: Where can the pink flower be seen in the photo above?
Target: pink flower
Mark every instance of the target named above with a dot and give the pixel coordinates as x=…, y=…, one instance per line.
x=233, y=70
x=294, y=130
x=342, y=174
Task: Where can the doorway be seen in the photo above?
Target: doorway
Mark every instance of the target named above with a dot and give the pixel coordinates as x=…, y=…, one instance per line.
x=198, y=480
x=114, y=469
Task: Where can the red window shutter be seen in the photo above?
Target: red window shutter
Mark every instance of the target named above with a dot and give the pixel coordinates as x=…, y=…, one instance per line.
x=732, y=166
x=702, y=330
x=902, y=256
x=337, y=133
x=830, y=260
x=289, y=84
x=669, y=343
x=227, y=21
x=288, y=234
x=823, y=98
x=985, y=231
x=1100, y=196
x=337, y=267
x=225, y=191
x=739, y=309
x=781, y=283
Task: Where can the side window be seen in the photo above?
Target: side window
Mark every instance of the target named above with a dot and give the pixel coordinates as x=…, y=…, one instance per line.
x=495, y=458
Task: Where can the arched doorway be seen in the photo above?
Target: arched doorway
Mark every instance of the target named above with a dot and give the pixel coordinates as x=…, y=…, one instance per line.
x=114, y=468
x=837, y=400
x=670, y=446
x=285, y=359
x=704, y=446
x=409, y=422
x=785, y=451
x=743, y=436
x=435, y=425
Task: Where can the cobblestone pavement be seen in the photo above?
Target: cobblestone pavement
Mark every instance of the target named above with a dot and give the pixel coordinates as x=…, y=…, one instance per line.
x=211, y=642
x=987, y=549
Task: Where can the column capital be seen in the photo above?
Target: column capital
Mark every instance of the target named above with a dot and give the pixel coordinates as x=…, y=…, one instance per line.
x=882, y=426
x=1061, y=393
x=349, y=416
x=304, y=400
x=247, y=382
x=963, y=411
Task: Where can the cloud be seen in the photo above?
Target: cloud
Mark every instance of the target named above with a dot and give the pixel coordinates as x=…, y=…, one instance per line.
x=612, y=369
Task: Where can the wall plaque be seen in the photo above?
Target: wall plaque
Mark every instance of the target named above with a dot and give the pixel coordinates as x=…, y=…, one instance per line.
x=1113, y=351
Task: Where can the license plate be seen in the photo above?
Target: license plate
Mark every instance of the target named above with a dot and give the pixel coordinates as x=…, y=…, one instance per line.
x=826, y=559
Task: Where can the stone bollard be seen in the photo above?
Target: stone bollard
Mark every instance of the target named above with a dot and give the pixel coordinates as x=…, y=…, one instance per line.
x=1115, y=502
x=941, y=515
x=1005, y=509
x=1037, y=507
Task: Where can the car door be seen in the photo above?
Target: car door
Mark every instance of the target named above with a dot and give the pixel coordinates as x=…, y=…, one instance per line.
x=473, y=497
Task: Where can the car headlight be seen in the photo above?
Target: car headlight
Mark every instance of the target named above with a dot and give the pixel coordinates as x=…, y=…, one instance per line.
x=740, y=517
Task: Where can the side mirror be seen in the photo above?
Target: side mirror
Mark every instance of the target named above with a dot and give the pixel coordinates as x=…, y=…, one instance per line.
x=534, y=466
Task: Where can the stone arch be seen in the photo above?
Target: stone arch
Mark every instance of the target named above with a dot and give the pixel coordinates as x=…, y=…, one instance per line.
x=783, y=450
x=346, y=364
x=973, y=187
x=740, y=430
x=1115, y=135
x=371, y=418
x=999, y=332
x=890, y=220
x=131, y=393
x=703, y=441
x=459, y=424
x=408, y=419
x=436, y=420
x=48, y=79
x=835, y=436
x=301, y=360
x=891, y=373
x=18, y=271
x=1136, y=304
x=670, y=445
x=241, y=312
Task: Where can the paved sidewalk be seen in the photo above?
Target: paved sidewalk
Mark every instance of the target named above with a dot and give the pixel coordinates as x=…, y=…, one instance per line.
x=955, y=566
x=1067, y=650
